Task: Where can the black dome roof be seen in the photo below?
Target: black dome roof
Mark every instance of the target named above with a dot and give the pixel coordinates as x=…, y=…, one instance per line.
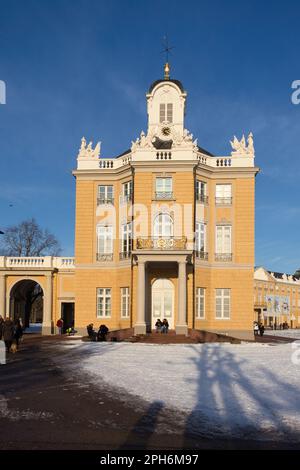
x=177, y=82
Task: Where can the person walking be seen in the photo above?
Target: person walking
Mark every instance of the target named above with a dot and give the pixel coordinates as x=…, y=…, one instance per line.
x=158, y=325
x=18, y=332
x=165, y=326
x=8, y=333
x=261, y=329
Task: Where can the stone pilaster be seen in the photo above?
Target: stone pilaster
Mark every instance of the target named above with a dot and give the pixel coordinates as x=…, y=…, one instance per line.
x=181, y=326
x=140, y=326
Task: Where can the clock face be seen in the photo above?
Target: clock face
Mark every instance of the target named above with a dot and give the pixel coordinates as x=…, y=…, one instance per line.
x=166, y=131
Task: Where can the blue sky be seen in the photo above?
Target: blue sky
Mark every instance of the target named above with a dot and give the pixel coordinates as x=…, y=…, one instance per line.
x=76, y=68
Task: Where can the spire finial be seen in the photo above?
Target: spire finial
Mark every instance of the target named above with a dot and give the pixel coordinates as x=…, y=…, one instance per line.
x=167, y=71
x=167, y=51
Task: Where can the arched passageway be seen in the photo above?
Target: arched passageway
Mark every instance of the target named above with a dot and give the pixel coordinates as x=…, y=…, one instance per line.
x=26, y=302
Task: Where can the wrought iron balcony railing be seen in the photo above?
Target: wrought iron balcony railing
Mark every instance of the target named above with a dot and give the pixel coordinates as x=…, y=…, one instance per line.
x=202, y=198
x=125, y=198
x=223, y=201
x=105, y=256
x=125, y=254
x=223, y=256
x=105, y=200
x=161, y=243
x=201, y=255
x=163, y=195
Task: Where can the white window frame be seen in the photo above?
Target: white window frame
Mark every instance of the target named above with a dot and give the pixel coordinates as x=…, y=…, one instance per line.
x=166, y=112
x=127, y=190
x=106, y=195
x=163, y=187
x=222, y=245
x=201, y=190
x=105, y=232
x=125, y=296
x=163, y=225
x=104, y=293
x=200, y=238
x=200, y=303
x=126, y=236
x=222, y=295
x=224, y=194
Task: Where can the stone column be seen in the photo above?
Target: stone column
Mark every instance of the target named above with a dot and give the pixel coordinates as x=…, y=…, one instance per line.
x=2, y=296
x=140, y=326
x=47, y=307
x=181, y=327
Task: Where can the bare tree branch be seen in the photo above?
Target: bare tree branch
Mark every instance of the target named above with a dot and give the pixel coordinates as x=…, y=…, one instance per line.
x=29, y=239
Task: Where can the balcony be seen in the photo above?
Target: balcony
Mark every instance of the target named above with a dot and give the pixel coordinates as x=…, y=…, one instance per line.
x=202, y=198
x=223, y=201
x=104, y=256
x=223, y=256
x=202, y=255
x=125, y=198
x=163, y=195
x=105, y=200
x=124, y=255
x=161, y=243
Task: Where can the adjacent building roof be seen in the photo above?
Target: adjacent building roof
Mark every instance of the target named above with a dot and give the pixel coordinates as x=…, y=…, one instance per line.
x=280, y=275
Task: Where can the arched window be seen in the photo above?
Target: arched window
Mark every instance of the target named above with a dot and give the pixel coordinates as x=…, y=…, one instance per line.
x=163, y=225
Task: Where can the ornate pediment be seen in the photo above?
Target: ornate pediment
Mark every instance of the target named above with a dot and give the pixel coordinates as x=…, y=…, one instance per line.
x=164, y=133
x=241, y=147
x=86, y=151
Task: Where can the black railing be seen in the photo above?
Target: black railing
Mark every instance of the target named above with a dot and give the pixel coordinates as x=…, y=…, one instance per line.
x=201, y=255
x=124, y=198
x=105, y=200
x=223, y=256
x=223, y=201
x=163, y=195
x=202, y=198
x=105, y=256
x=125, y=254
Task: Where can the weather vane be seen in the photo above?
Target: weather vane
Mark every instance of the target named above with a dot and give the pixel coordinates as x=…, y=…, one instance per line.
x=167, y=48
x=167, y=51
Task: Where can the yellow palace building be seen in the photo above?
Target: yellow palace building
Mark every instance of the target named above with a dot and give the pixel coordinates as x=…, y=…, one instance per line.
x=164, y=230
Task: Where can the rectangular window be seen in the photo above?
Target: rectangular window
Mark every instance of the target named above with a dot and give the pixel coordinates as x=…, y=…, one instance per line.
x=166, y=112
x=104, y=242
x=223, y=243
x=125, y=302
x=127, y=191
x=162, y=112
x=105, y=194
x=170, y=112
x=163, y=188
x=201, y=194
x=103, y=302
x=223, y=303
x=126, y=240
x=200, y=303
x=223, y=194
x=200, y=240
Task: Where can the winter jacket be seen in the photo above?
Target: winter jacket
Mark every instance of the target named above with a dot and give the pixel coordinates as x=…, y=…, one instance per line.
x=8, y=330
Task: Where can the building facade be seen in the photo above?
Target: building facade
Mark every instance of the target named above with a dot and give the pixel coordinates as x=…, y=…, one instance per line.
x=276, y=298
x=164, y=230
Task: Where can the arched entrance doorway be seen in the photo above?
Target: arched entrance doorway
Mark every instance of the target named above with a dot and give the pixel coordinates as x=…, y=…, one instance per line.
x=163, y=301
x=26, y=302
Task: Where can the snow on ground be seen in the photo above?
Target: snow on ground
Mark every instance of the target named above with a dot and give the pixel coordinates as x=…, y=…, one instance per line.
x=252, y=389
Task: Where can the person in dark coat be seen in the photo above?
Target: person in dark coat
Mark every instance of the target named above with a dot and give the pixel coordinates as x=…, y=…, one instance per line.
x=18, y=332
x=158, y=325
x=261, y=329
x=91, y=332
x=165, y=326
x=8, y=332
x=102, y=333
